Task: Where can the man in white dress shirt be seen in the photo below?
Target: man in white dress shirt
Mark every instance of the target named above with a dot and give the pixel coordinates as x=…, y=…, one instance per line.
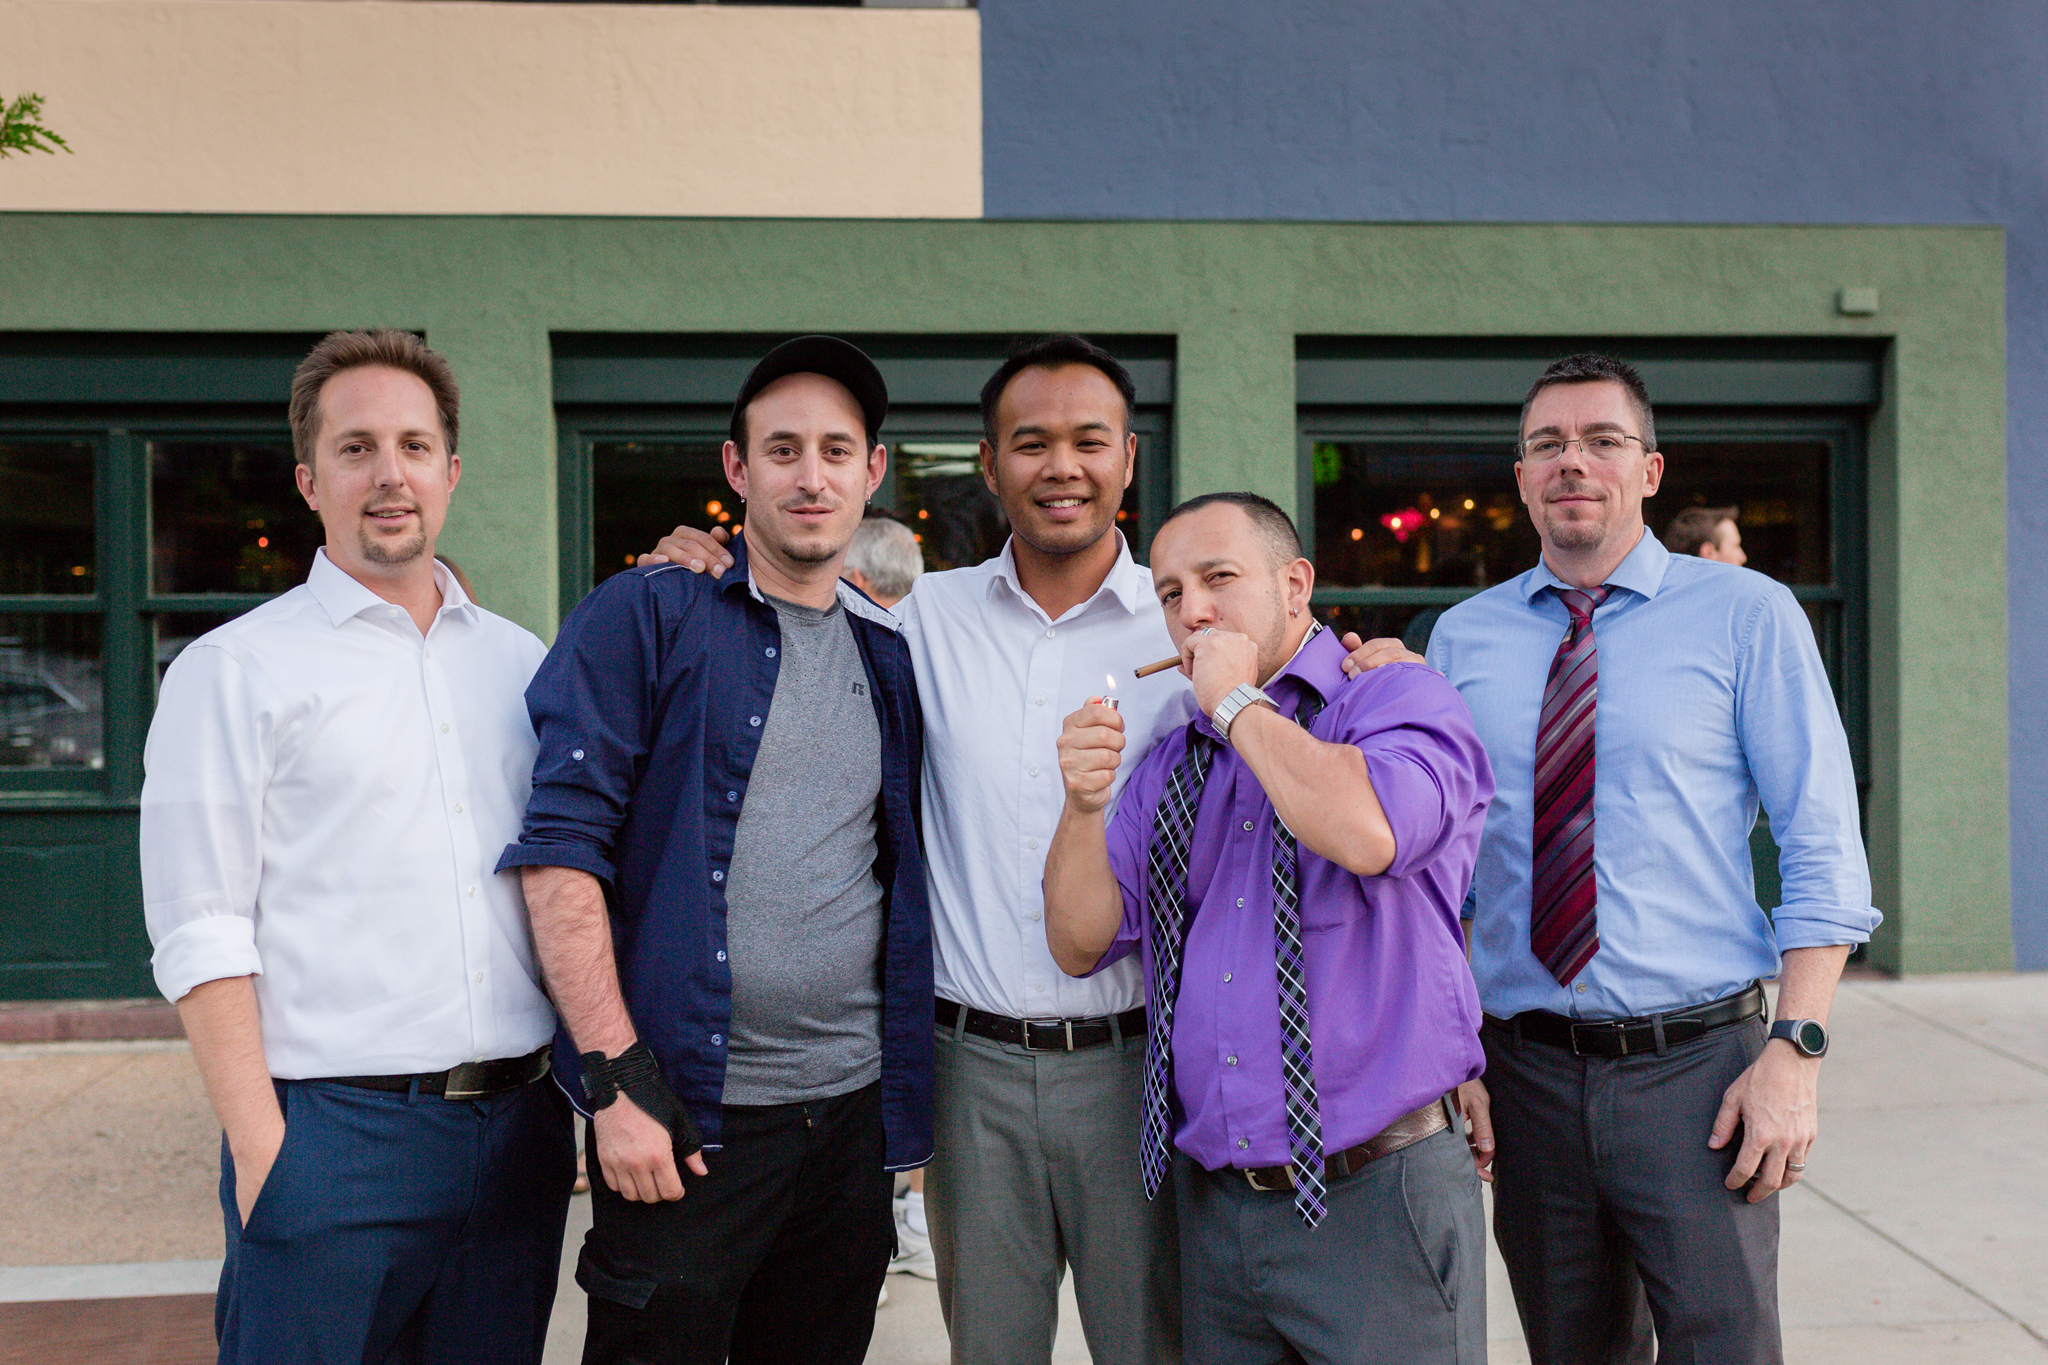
x=1040, y=1075
x=330, y=779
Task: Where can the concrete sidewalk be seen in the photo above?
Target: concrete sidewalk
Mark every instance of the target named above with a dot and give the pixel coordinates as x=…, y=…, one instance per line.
x=1920, y=1235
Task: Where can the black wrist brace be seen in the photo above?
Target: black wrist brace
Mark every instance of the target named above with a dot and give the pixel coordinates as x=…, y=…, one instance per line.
x=635, y=1074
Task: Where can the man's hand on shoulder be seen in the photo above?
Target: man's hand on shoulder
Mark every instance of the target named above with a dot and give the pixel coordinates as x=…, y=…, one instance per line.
x=1366, y=655
x=1776, y=1104
x=698, y=551
x=637, y=1155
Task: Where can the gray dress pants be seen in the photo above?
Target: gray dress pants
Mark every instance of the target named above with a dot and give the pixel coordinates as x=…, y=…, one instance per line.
x=1395, y=1274
x=1036, y=1169
x=1603, y=1174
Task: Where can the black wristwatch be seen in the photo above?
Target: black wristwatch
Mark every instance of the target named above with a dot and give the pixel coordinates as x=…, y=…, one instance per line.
x=1810, y=1036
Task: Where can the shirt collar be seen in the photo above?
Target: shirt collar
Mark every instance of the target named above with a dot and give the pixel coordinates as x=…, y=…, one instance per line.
x=344, y=597
x=1126, y=581
x=1641, y=571
x=741, y=576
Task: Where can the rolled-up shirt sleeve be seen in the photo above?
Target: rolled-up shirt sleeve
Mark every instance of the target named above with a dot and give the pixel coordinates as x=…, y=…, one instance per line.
x=594, y=710
x=1428, y=768
x=206, y=766
x=1798, y=755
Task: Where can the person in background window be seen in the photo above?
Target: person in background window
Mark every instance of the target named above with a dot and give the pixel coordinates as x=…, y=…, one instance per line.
x=328, y=778
x=884, y=560
x=1709, y=532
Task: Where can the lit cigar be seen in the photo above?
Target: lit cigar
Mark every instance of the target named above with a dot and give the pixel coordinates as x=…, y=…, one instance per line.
x=1149, y=669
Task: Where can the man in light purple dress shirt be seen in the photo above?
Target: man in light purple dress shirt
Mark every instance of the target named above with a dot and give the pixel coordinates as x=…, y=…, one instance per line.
x=1373, y=1248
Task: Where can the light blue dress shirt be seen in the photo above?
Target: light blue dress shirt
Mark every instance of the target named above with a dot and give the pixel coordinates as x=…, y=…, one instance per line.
x=1712, y=697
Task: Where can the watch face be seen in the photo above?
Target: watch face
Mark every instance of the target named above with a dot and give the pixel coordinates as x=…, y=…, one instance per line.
x=1810, y=1038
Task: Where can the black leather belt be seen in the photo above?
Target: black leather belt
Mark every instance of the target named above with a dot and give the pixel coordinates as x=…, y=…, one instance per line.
x=1411, y=1128
x=469, y=1081
x=1043, y=1035
x=1628, y=1037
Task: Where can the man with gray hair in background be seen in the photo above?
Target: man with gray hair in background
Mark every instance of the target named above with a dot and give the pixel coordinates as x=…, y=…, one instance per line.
x=884, y=559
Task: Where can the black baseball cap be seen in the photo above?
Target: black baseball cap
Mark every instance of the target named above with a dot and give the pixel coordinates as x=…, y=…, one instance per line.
x=835, y=359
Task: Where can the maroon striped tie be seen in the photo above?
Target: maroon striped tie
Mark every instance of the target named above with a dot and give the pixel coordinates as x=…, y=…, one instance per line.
x=1562, y=927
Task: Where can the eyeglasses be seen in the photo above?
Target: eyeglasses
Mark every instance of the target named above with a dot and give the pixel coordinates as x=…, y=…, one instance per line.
x=1605, y=445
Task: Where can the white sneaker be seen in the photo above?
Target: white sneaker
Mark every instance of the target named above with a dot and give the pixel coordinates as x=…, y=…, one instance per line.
x=913, y=1249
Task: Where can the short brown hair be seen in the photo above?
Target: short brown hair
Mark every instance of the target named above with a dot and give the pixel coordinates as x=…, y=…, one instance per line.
x=1694, y=527
x=339, y=351
x=1588, y=367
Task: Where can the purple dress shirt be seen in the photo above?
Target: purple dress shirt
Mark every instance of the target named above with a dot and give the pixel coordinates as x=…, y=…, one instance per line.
x=1393, y=1013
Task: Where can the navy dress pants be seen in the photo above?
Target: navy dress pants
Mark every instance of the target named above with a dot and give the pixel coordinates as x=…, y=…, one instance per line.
x=399, y=1228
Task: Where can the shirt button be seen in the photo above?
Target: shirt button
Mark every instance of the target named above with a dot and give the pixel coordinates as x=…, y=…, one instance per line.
x=753, y=720
x=1031, y=843
x=1243, y=1143
x=732, y=796
x=470, y=891
x=479, y=978
x=429, y=653
x=1231, y=1060
x=458, y=808
x=1031, y=915
x=1038, y=985
x=721, y=954
x=576, y=754
x=1240, y=902
x=1226, y=976
x=1049, y=632
x=444, y=727
x=1038, y=701
x=1247, y=827
x=1580, y=988
x=718, y=1040
x=717, y=876
x=1034, y=770
x=771, y=651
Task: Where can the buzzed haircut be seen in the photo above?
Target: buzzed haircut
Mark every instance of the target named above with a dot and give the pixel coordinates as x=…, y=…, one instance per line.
x=885, y=552
x=1589, y=367
x=1050, y=353
x=339, y=352
x=1694, y=527
x=1275, y=527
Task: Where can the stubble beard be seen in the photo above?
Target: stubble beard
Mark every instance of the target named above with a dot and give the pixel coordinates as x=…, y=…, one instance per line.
x=390, y=555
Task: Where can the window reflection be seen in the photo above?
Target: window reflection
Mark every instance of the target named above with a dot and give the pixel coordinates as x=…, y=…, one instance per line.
x=1778, y=488
x=641, y=490
x=226, y=516
x=51, y=707
x=1412, y=515
x=46, y=517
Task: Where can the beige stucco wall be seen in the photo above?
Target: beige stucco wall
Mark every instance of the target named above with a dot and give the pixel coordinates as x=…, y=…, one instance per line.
x=368, y=106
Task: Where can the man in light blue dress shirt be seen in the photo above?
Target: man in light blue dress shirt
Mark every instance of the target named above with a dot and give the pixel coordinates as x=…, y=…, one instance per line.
x=1643, y=1114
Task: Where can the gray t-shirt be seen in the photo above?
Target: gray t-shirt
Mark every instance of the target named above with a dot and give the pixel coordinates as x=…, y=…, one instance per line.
x=803, y=907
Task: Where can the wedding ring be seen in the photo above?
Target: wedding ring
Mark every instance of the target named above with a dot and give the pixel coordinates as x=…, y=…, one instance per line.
x=1795, y=1165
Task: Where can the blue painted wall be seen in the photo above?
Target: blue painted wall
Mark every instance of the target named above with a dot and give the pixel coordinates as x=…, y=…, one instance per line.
x=1741, y=111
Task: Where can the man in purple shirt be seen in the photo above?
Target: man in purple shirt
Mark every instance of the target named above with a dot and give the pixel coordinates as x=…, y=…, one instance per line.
x=1312, y=1010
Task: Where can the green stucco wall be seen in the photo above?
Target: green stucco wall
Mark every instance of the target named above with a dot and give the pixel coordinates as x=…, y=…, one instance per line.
x=1235, y=295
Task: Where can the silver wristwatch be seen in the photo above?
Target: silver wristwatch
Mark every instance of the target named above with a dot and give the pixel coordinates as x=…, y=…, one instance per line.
x=1241, y=696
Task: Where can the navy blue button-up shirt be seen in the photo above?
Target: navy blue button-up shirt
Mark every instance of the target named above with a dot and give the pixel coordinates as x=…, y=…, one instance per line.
x=649, y=712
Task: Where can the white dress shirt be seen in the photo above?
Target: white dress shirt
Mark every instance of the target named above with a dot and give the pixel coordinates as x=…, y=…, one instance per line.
x=327, y=792
x=998, y=678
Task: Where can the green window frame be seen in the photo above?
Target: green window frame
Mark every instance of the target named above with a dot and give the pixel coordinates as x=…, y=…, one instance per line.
x=71, y=922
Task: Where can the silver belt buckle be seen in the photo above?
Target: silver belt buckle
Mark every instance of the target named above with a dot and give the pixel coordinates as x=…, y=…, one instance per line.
x=1589, y=1027
x=1251, y=1178
x=463, y=1082
x=1066, y=1024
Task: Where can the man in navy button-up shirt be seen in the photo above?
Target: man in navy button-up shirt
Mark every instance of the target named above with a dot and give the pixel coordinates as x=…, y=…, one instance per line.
x=723, y=869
